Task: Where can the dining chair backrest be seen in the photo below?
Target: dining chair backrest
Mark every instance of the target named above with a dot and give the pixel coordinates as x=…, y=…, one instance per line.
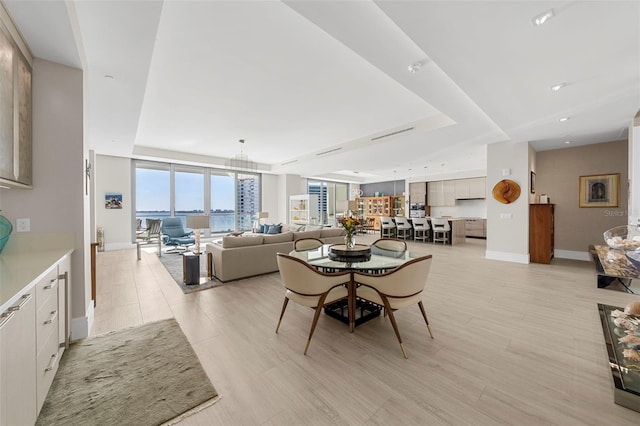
x=390, y=244
x=438, y=222
x=305, y=280
x=406, y=280
x=307, y=244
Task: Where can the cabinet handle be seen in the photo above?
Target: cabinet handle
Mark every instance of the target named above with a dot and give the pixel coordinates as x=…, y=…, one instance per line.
x=52, y=284
x=5, y=318
x=25, y=298
x=52, y=362
x=52, y=317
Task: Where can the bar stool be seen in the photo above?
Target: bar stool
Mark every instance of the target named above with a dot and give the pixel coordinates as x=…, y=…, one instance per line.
x=441, y=230
x=403, y=227
x=421, y=229
x=387, y=227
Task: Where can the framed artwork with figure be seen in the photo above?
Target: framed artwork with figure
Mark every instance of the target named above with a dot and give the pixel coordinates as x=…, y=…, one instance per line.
x=600, y=190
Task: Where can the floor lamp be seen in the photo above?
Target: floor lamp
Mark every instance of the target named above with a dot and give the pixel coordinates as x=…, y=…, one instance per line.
x=198, y=222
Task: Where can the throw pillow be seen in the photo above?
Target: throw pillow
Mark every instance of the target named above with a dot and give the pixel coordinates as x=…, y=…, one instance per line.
x=274, y=229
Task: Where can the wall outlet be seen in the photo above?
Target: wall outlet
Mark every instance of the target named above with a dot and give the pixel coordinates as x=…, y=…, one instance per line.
x=506, y=172
x=23, y=225
x=505, y=215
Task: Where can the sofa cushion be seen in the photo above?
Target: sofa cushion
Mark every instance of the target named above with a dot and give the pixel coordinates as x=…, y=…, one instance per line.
x=311, y=227
x=306, y=234
x=278, y=238
x=290, y=227
x=231, y=242
x=332, y=232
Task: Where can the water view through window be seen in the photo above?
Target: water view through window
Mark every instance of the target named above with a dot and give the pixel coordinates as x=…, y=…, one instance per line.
x=232, y=199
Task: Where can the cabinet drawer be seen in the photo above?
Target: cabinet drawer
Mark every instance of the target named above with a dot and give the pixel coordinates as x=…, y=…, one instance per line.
x=46, y=288
x=47, y=321
x=47, y=363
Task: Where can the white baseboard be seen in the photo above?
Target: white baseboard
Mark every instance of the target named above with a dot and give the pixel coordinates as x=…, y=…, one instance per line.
x=570, y=254
x=507, y=257
x=81, y=326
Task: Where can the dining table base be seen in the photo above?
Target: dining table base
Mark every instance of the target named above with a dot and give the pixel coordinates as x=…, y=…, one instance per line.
x=363, y=312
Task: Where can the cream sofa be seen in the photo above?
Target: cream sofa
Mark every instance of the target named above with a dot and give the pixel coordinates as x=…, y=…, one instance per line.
x=236, y=257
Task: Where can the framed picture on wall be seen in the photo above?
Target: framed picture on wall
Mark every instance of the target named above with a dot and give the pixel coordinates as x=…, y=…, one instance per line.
x=533, y=182
x=600, y=190
x=113, y=200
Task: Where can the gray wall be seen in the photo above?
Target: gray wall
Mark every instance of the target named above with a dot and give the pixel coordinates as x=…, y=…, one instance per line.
x=386, y=188
x=557, y=175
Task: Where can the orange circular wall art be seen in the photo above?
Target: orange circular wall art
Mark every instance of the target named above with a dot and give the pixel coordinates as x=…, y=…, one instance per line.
x=506, y=191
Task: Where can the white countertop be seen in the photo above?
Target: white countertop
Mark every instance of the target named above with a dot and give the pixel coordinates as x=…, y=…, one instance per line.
x=26, y=259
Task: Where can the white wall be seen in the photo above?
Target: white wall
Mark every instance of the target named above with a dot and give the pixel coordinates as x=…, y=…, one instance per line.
x=113, y=174
x=57, y=202
x=288, y=185
x=270, y=197
x=508, y=224
x=463, y=208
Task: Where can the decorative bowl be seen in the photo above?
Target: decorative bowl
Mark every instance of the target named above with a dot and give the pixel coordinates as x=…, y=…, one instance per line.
x=625, y=237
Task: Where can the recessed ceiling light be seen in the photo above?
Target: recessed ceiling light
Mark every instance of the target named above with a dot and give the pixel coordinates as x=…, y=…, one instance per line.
x=567, y=142
x=543, y=17
x=558, y=86
x=563, y=119
x=414, y=68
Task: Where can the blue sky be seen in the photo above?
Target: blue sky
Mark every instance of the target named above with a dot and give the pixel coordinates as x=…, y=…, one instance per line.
x=152, y=191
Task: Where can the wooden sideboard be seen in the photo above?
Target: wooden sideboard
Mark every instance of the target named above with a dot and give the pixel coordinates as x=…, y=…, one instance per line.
x=541, y=232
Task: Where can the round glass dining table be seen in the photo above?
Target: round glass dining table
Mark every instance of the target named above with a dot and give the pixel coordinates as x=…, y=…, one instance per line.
x=376, y=262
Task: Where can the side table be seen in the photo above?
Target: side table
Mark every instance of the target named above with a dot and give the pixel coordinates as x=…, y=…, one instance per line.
x=191, y=268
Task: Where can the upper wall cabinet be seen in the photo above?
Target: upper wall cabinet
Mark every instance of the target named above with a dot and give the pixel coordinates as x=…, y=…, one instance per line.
x=470, y=188
x=444, y=193
x=15, y=108
x=441, y=193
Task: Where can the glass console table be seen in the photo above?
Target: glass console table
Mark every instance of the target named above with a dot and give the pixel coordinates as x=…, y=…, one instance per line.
x=624, y=354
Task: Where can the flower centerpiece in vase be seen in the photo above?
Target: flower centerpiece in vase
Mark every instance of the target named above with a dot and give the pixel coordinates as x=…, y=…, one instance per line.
x=350, y=224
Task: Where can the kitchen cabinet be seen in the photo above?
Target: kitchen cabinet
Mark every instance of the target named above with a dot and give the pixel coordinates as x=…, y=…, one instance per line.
x=17, y=362
x=541, y=232
x=470, y=188
x=31, y=342
x=476, y=227
x=377, y=207
x=417, y=192
x=441, y=193
x=398, y=206
x=303, y=209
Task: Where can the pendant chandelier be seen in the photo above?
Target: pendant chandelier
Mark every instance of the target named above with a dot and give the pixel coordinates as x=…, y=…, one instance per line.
x=241, y=162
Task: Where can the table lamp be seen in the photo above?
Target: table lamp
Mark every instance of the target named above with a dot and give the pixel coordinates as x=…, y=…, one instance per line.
x=198, y=222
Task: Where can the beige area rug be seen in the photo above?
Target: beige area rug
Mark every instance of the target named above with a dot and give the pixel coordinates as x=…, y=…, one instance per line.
x=173, y=263
x=147, y=375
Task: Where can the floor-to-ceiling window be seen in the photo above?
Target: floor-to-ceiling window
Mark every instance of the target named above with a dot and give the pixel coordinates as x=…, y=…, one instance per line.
x=231, y=198
x=223, y=201
x=189, y=192
x=153, y=191
x=330, y=195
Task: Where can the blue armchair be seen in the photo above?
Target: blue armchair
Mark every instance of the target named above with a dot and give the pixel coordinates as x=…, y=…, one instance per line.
x=174, y=234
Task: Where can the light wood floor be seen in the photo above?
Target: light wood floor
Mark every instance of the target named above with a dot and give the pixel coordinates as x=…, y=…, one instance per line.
x=514, y=344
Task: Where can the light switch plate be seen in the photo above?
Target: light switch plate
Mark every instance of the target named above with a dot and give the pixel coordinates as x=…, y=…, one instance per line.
x=506, y=172
x=23, y=225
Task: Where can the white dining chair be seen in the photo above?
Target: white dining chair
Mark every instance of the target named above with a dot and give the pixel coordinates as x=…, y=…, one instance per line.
x=396, y=289
x=307, y=286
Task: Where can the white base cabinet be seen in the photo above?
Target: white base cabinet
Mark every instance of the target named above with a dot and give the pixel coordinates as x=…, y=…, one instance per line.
x=33, y=335
x=17, y=363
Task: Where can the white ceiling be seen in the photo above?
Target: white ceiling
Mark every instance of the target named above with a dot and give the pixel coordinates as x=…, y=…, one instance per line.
x=295, y=79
